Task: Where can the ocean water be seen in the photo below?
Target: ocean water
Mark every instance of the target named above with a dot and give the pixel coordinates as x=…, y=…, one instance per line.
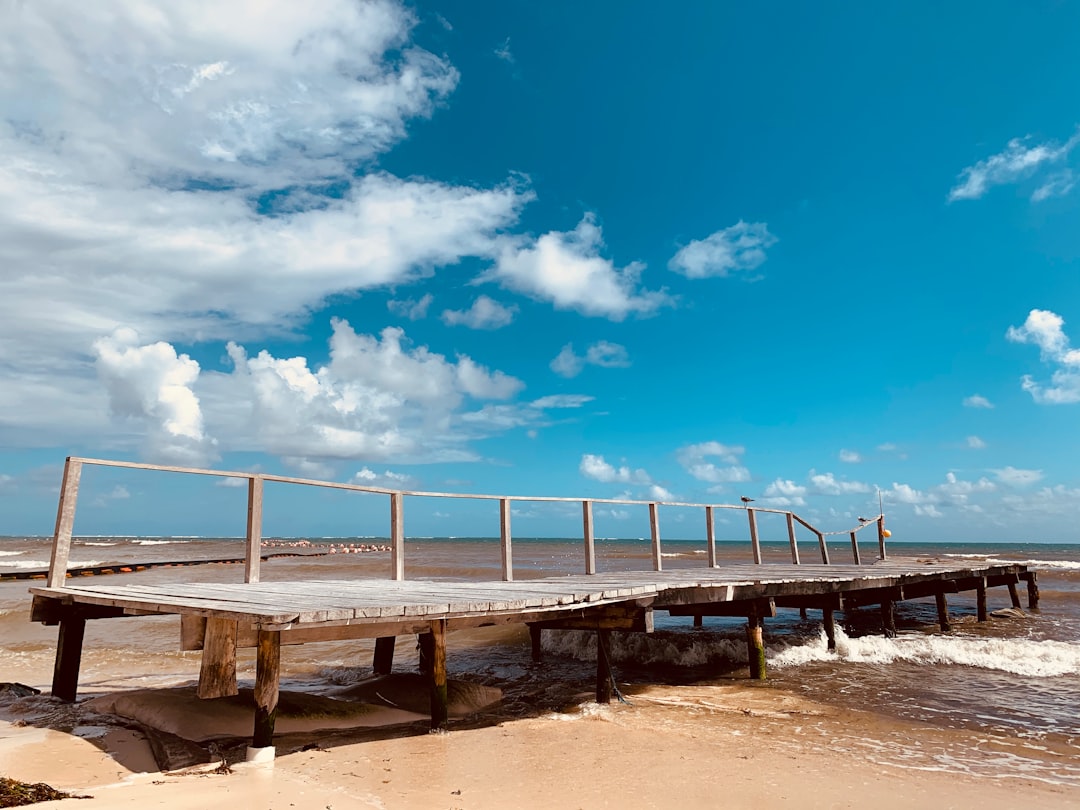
x=998, y=698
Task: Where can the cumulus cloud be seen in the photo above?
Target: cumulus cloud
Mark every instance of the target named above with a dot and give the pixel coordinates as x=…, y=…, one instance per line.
x=850, y=456
x=1019, y=160
x=378, y=397
x=659, y=493
x=595, y=467
x=1045, y=329
x=975, y=443
x=165, y=168
x=783, y=494
x=485, y=313
x=602, y=353
x=387, y=479
x=738, y=249
x=694, y=458
x=152, y=385
x=568, y=270
x=978, y=401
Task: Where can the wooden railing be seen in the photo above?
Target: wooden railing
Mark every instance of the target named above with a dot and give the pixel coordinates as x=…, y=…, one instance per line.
x=69, y=493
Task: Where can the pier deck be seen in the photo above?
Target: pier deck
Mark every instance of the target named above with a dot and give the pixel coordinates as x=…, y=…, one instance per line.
x=219, y=618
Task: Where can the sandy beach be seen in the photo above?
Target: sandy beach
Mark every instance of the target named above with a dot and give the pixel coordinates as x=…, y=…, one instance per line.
x=752, y=748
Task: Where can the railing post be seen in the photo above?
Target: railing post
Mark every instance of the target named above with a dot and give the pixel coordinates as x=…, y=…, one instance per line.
x=791, y=538
x=397, y=535
x=504, y=534
x=590, y=545
x=881, y=537
x=654, y=530
x=754, y=543
x=65, y=522
x=855, y=549
x=824, y=548
x=253, y=552
x=710, y=536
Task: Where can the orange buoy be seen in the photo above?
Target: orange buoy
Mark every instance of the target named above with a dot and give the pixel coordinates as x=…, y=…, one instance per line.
x=886, y=533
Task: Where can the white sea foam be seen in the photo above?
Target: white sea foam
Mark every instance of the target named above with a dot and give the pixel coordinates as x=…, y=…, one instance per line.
x=11, y=553
x=30, y=565
x=156, y=542
x=89, y=543
x=1037, y=659
x=990, y=559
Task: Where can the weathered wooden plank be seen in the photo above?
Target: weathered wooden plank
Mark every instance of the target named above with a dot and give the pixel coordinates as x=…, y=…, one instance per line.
x=504, y=534
x=791, y=538
x=253, y=552
x=65, y=522
x=755, y=544
x=69, y=643
x=267, y=668
x=439, y=702
x=654, y=532
x=710, y=536
x=397, y=536
x=590, y=542
x=217, y=672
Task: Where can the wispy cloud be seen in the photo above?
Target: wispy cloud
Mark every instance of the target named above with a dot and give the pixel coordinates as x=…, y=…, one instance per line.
x=694, y=458
x=738, y=249
x=485, y=313
x=409, y=308
x=975, y=443
x=977, y=401
x=602, y=353
x=850, y=456
x=503, y=51
x=1021, y=159
x=595, y=467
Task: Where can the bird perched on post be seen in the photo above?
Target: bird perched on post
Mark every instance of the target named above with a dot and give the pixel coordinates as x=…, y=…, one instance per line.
x=864, y=520
x=744, y=499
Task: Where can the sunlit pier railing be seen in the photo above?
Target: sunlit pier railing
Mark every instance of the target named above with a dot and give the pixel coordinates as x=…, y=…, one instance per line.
x=69, y=493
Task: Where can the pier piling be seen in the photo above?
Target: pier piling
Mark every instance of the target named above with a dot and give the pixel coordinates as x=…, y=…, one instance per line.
x=603, y=666
x=383, y=661
x=267, y=669
x=755, y=646
x=942, y=612
x=69, y=646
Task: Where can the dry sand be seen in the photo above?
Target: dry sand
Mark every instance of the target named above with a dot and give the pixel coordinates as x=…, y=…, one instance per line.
x=675, y=747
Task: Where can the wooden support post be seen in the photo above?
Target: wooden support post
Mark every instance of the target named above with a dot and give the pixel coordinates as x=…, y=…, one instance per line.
x=754, y=542
x=69, y=643
x=590, y=545
x=980, y=600
x=217, y=673
x=426, y=643
x=1032, y=589
x=65, y=521
x=1014, y=596
x=710, y=536
x=603, y=666
x=397, y=535
x=824, y=548
x=755, y=646
x=829, y=620
x=942, y=612
x=253, y=552
x=803, y=615
x=536, y=637
x=791, y=538
x=888, y=618
x=699, y=620
x=439, y=702
x=267, y=668
x=504, y=534
x=881, y=537
x=855, y=549
x=654, y=530
x=383, y=662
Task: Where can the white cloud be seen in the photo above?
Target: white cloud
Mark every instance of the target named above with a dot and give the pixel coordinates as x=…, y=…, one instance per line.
x=561, y=401
x=503, y=52
x=567, y=270
x=1045, y=330
x=376, y=398
x=740, y=248
x=904, y=493
x=693, y=459
x=887, y=447
x=928, y=510
x=485, y=313
x=977, y=401
x=1013, y=477
x=141, y=147
x=1018, y=161
x=659, y=493
x=1057, y=185
x=784, y=494
x=602, y=354
x=387, y=479
x=827, y=484
x=595, y=467
x=414, y=310
x=117, y=493
x=850, y=456
x=152, y=385
x=975, y=443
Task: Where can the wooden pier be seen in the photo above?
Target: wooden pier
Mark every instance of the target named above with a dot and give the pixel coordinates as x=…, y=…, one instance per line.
x=220, y=618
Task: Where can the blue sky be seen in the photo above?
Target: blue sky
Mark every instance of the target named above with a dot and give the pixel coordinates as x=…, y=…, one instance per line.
x=605, y=250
